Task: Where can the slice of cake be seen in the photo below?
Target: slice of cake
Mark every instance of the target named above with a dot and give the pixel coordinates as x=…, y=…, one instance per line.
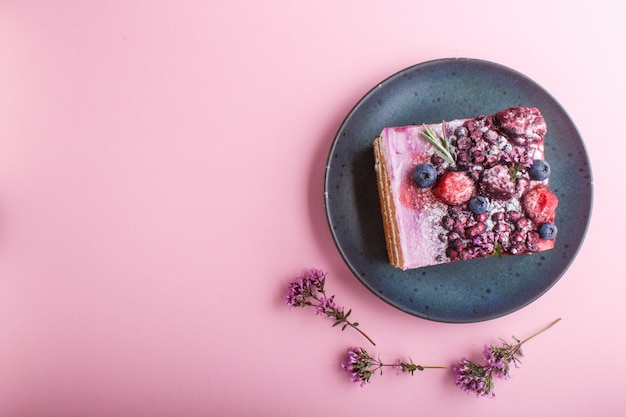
x=465, y=189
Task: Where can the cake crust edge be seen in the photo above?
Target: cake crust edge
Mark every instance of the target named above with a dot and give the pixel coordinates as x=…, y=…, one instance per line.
x=387, y=206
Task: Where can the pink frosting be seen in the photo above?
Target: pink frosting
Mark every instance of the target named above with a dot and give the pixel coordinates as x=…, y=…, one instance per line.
x=418, y=211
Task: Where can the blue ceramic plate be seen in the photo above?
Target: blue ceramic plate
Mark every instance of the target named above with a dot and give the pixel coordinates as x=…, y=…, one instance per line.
x=461, y=292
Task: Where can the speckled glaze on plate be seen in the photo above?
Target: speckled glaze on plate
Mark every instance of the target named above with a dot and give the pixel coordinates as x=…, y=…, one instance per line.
x=468, y=291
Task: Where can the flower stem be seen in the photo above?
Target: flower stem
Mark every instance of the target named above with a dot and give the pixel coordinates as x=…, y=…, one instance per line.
x=518, y=347
x=539, y=332
x=412, y=366
x=362, y=333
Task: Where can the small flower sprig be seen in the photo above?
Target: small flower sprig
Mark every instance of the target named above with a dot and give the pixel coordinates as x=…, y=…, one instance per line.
x=488, y=243
x=308, y=290
x=441, y=144
x=518, y=160
x=362, y=366
x=479, y=379
x=497, y=250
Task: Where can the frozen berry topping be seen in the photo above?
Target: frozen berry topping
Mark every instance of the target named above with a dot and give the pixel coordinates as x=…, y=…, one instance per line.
x=424, y=175
x=491, y=197
x=524, y=125
x=547, y=230
x=497, y=182
x=494, y=206
x=455, y=188
x=478, y=204
x=539, y=170
x=540, y=204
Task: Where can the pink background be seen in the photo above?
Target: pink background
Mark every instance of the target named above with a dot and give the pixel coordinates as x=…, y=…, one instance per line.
x=161, y=181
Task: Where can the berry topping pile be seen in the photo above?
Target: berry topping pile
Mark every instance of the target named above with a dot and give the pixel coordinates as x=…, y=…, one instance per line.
x=497, y=198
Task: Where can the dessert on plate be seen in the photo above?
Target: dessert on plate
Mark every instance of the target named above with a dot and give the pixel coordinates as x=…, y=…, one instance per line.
x=466, y=188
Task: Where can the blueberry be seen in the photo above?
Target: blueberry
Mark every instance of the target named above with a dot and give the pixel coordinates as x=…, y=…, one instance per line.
x=424, y=175
x=547, y=231
x=540, y=170
x=478, y=204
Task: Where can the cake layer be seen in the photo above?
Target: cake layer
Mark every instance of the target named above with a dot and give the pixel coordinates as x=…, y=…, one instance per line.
x=485, y=160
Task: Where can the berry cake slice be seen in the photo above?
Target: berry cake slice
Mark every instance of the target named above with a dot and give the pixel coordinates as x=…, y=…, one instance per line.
x=465, y=189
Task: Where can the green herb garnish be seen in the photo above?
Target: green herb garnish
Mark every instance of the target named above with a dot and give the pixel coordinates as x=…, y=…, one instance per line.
x=497, y=249
x=441, y=144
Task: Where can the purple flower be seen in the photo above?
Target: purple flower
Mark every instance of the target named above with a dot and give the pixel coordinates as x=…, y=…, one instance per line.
x=498, y=360
x=485, y=243
x=360, y=365
x=308, y=290
x=518, y=155
x=478, y=379
x=328, y=307
x=316, y=277
x=473, y=378
x=518, y=159
x=304, y=287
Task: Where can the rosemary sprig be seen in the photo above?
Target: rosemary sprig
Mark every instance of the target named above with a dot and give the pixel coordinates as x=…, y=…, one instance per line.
x=441, y=144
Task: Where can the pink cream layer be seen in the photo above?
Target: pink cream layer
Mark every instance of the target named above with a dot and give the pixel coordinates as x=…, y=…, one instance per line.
x=418, y=211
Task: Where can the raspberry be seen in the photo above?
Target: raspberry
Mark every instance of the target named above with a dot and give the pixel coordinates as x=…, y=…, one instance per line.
x=497, y=183
x=540, y=204
x=524, y=125
x=455, y=188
